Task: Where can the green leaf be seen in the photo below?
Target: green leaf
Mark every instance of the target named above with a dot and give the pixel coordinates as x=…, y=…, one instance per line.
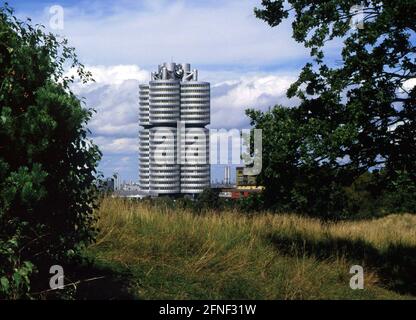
x=17, y=278
x=4, y=282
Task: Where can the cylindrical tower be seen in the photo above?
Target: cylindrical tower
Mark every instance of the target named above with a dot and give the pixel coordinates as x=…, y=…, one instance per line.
x=195, y=103
x=195, y=169
x=164, y=167
x=174, y=94
x=164, y=101
x=144, y=174
x=144, y=105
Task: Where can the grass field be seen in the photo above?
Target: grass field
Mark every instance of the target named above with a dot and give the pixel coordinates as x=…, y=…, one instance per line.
x=155, y=252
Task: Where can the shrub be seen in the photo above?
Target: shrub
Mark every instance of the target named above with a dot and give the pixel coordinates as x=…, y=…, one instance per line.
x=47, y=164
x=208, y=199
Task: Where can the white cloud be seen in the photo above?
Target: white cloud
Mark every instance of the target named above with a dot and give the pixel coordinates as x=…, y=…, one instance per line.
x=114, y=96
x=110, y=75
x=151, y=32
x=231, y=98
x=409, y=84
x=122, y=146
x=116, y=75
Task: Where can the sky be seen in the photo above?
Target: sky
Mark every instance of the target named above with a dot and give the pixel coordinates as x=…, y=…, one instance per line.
x=248, y=63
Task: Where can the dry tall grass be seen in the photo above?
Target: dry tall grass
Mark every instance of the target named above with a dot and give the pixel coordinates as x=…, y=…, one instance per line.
x=180, y=255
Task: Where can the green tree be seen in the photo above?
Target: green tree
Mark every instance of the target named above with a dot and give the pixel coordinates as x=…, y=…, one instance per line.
x=47, y=164
x=294, y=180
x=360, y=113
x=207, y=199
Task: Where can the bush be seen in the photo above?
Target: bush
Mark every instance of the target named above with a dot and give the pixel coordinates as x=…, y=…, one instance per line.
x=400, y=194
x=253, y=203
x=47, y=164
x=208, y=199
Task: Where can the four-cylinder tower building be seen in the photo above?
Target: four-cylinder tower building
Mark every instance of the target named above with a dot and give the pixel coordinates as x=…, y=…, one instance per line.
x=173, y=141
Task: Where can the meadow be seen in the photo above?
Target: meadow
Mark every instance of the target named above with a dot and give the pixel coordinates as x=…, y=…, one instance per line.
x=148, y=251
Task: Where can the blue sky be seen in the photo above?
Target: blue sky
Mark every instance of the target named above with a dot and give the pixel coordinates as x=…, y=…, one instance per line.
x=249, y=64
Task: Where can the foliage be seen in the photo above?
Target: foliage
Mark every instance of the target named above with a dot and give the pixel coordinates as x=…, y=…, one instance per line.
x=293, y=181
x=47, y=164
x=400, y=194
x=208, y=199
x=355, y=116
x=254, y=203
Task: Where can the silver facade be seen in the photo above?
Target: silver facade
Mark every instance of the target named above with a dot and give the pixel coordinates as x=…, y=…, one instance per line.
x=144, y=104
x=195, y=103
x=144, y=157
x=164, y=168
x=173, y=162
x=164, y=102
x=195, y=171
